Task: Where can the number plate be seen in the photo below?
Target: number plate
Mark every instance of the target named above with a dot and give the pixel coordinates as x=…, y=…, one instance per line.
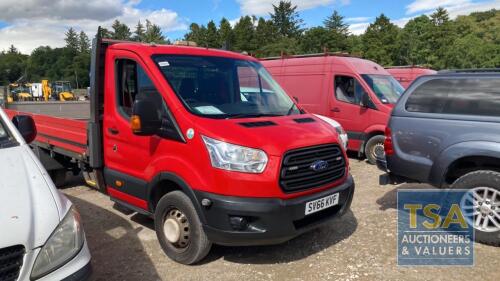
x=322, y=203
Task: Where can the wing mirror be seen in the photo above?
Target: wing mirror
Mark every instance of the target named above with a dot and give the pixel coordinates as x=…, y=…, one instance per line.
x=146, y=118
x=365, y=100
x=26, y=126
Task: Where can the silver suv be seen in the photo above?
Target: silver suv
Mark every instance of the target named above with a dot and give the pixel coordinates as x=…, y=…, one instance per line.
x=445, y=131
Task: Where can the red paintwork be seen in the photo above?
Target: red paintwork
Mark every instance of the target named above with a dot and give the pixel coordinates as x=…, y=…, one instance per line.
x=406, y=75
x=145, y=157
x=311, y=80
x=134, y=201
x=74, y=131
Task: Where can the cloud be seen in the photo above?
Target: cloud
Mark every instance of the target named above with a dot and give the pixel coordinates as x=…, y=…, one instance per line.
x=34, y=29
x=59, y=9
x=454, y=7
x=263, y=7
x=466, y=6
x=358, y=19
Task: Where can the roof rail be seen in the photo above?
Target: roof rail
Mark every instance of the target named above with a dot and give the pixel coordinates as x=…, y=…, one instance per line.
x=325, y=54
x=471, y=70
x=406, y=66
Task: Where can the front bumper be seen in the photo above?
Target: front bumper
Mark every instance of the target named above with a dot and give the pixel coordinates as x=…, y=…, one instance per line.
x=269, y=220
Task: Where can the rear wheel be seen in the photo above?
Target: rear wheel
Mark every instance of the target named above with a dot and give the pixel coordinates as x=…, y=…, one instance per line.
x=179, y=229
x=484, y=195
x=374, y=149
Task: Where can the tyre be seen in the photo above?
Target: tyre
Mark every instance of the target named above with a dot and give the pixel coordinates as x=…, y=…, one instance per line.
x=485, y=190
x=179, y=229
x=58, y=177
x=374, y=148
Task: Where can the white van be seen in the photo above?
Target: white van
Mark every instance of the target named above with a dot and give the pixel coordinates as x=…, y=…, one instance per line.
x=41, y=235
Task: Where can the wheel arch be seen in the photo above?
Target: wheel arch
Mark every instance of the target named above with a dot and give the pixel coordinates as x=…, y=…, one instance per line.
x=165, y=182
x=461, y=158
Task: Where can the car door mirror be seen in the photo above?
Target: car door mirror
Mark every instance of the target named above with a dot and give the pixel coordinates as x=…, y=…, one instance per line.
x=146, y=117
x=365, y=100
x=26, y=126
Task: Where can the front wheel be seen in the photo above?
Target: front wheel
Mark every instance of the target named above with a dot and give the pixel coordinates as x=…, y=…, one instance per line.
x=484, y=189
x=179, y=229
x=374, y=149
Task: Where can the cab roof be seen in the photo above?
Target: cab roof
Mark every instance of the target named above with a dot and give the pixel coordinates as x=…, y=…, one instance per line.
x=154, y=49
x=359, y=65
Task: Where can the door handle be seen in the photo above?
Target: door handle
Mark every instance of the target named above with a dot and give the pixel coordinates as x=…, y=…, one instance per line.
x=113, y=131
x=335, y=109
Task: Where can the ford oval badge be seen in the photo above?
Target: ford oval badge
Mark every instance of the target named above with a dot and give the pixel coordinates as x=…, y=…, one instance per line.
x=319, y=165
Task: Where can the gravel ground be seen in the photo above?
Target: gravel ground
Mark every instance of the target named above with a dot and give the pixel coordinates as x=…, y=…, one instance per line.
x=359, y=246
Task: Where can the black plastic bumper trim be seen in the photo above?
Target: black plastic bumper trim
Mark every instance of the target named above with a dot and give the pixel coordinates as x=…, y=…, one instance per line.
x=82, y=274
x=270, y=220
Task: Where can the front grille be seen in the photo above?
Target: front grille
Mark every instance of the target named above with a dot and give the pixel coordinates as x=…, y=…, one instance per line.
x=297, y=173
x=11, y=260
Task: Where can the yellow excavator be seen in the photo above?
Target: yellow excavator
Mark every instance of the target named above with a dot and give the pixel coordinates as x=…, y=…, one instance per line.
x=19, y=92
x=61, y=91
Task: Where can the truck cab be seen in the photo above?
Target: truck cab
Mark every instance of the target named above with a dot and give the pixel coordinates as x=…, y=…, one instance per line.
x=357, y=93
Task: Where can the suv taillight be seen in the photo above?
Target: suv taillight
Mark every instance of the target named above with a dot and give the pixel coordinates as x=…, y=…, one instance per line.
x=388, y=148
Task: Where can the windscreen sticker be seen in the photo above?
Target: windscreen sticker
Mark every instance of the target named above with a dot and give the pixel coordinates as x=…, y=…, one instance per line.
x=209, y=110
x=163, y=63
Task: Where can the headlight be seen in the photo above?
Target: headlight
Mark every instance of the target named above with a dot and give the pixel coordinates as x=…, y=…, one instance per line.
x=338, y=128
x=232, y=157
x=63, y=245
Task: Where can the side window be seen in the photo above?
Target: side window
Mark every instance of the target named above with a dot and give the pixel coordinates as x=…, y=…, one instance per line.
x=471, y=96
x=133, y=83
x=348, y=89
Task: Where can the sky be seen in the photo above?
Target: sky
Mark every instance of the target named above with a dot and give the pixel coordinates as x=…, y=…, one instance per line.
x=31, y=23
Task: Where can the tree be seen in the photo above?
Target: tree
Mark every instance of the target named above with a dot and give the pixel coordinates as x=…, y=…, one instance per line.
x=335, y=23
x=316, y=40
x=84, y=43
x=72, y=40
x=413, y=42
x=442, y=36
x=379, y=41
x=139, y=32
x=286, y=19
x=121, y=31
x=212, y=35
x=153, y=34
x=244, y=34
x=265, y=32
x=226, y=35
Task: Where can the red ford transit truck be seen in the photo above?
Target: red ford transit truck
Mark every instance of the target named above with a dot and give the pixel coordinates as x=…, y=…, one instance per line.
x=174, y=135
x=357, y=93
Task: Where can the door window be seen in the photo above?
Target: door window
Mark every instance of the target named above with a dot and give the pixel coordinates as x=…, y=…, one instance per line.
x=348, y=89
x=133, y=83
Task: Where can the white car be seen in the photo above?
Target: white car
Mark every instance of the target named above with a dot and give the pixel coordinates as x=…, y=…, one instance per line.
x=41, y=235
x=342, y=134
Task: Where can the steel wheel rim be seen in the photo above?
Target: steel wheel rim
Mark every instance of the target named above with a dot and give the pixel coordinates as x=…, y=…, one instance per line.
x=481, y=207
x=378, y=150
x=176, y=229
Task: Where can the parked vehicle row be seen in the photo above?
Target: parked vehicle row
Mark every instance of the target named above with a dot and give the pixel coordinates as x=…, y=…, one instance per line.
x=357, y=93
x=210, y=146
x=445, y=131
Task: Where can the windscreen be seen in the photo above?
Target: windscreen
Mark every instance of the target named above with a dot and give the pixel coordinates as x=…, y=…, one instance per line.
x=387, y=89
x=218, y=87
